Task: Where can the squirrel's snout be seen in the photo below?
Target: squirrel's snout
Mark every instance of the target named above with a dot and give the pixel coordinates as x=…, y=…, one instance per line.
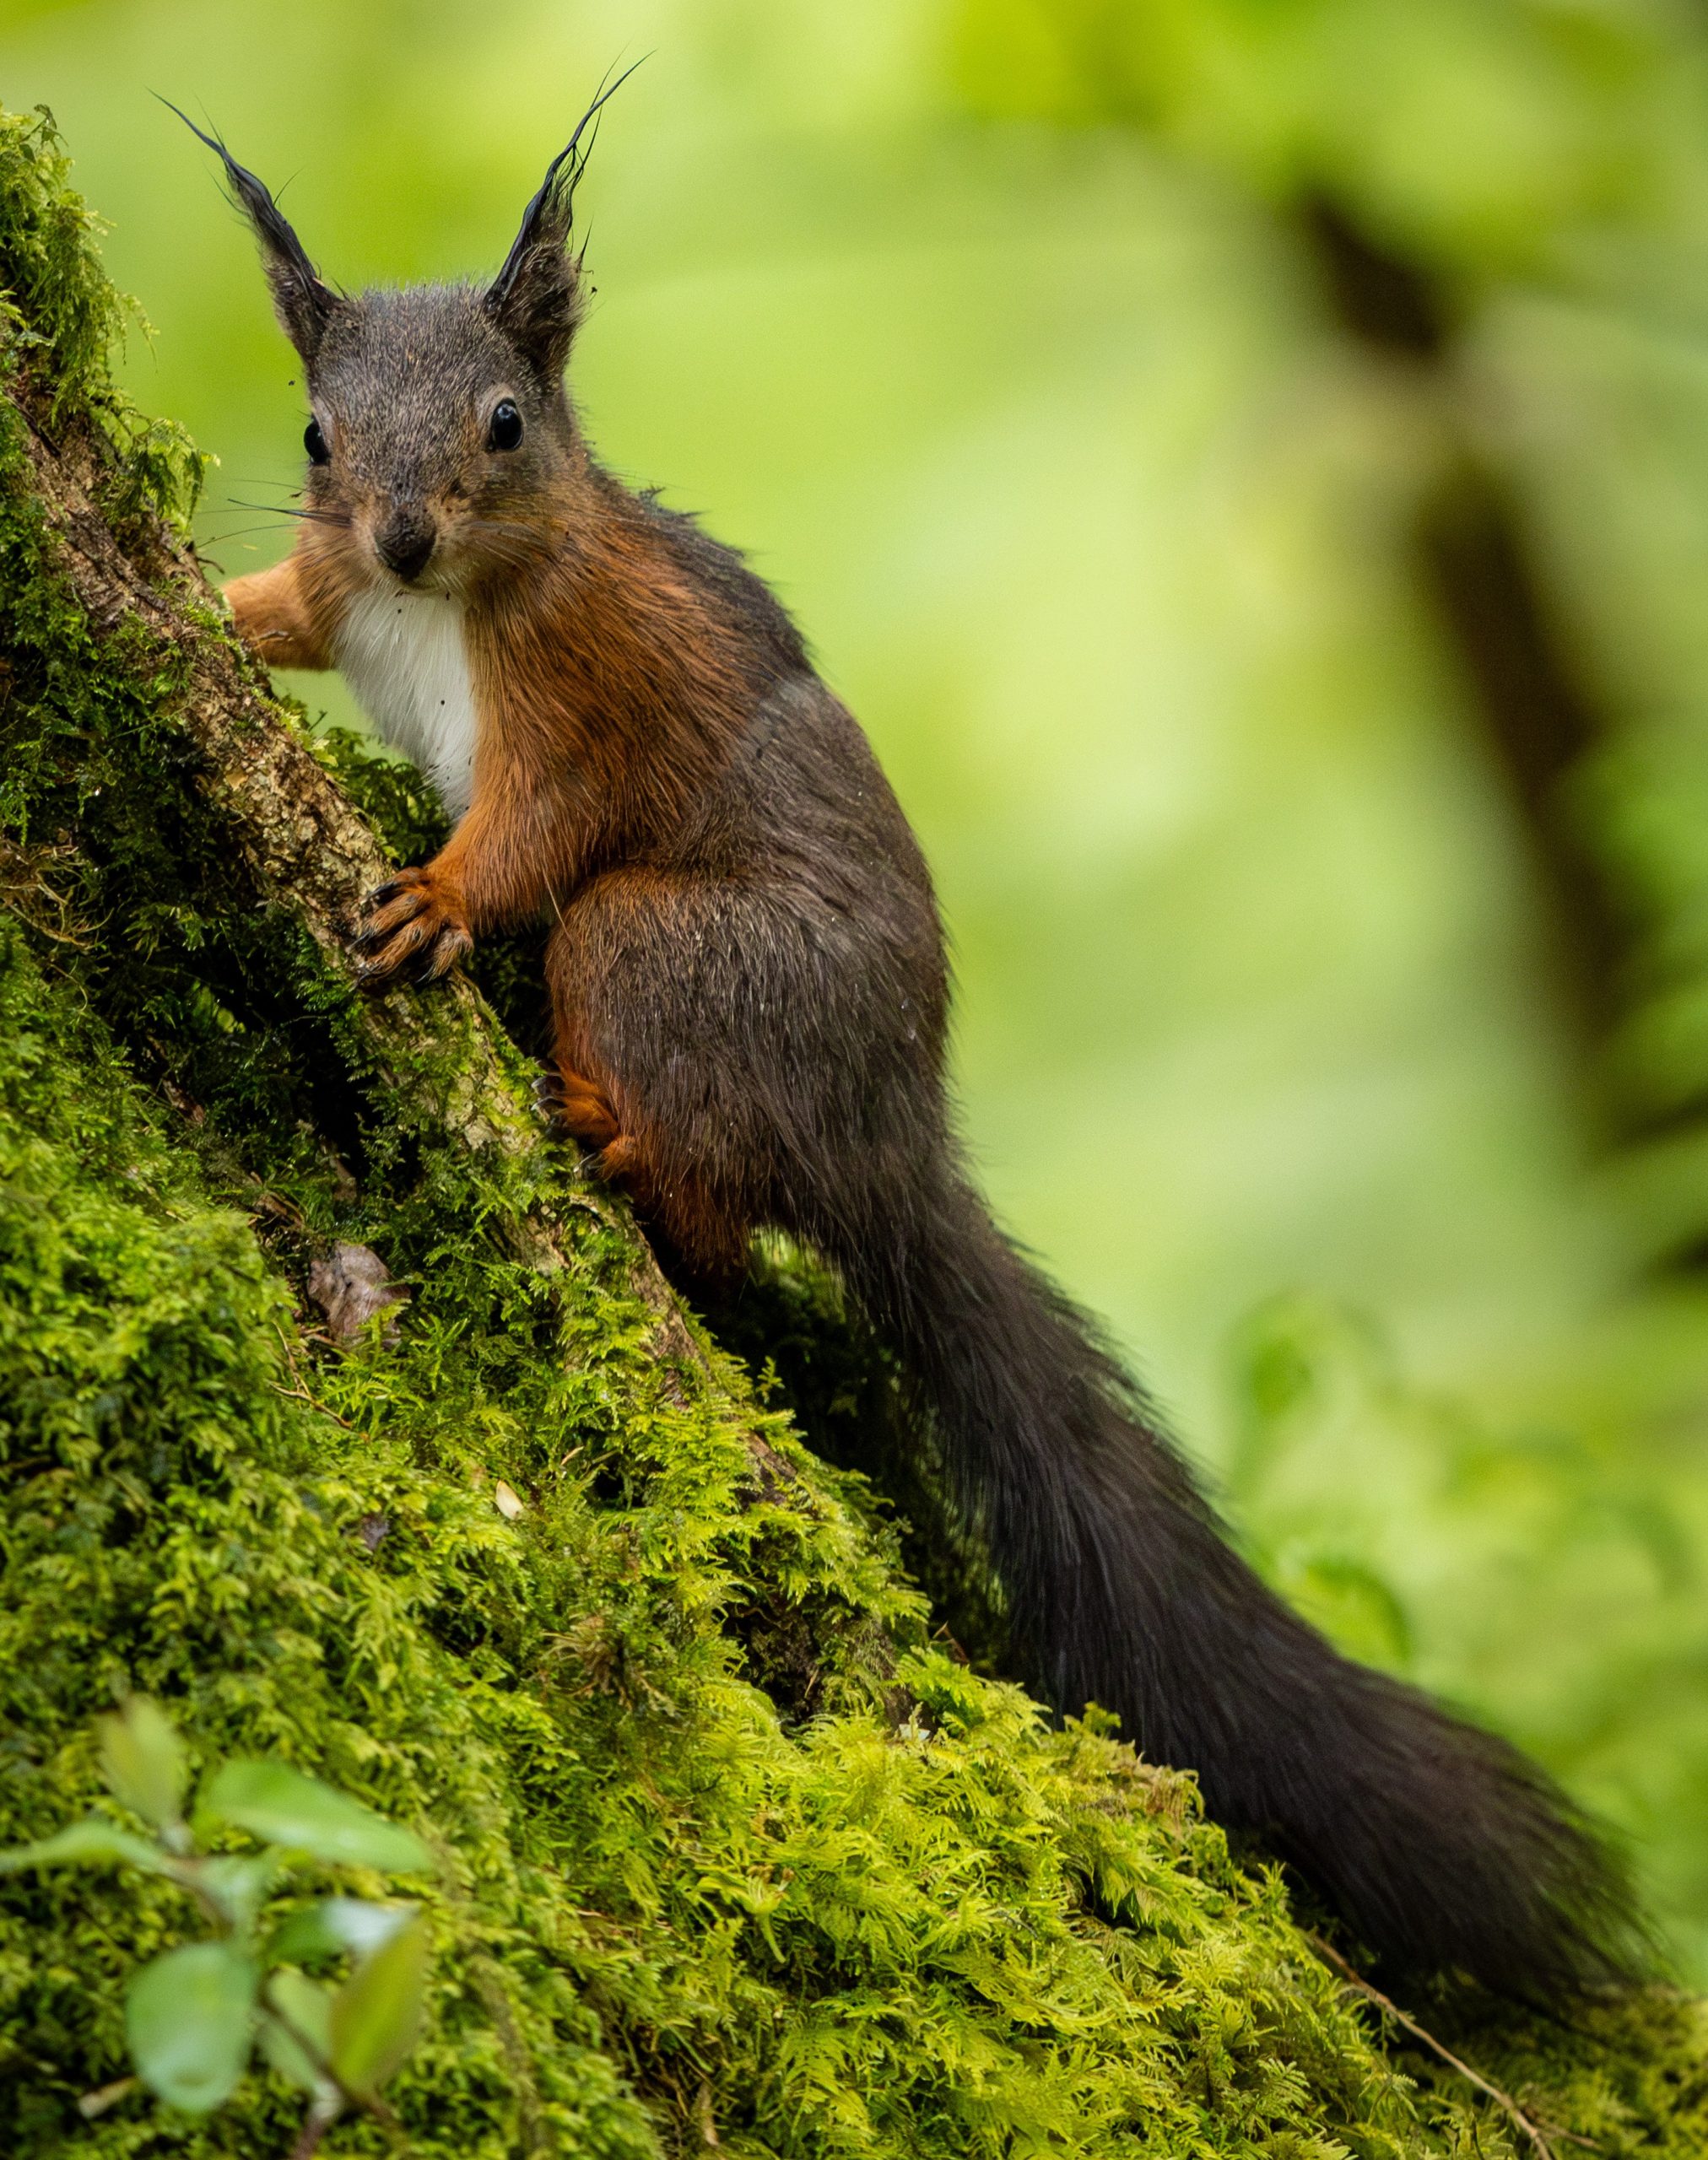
x=405, y=542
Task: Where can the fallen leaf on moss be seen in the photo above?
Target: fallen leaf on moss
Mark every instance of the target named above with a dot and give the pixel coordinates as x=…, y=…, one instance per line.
x=350, y=1285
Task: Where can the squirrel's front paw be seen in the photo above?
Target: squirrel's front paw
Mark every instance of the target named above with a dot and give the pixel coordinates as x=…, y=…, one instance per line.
x=269, y=615
x=412, y=931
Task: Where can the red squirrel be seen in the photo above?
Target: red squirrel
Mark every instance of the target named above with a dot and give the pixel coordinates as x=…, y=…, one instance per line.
x=748, y=995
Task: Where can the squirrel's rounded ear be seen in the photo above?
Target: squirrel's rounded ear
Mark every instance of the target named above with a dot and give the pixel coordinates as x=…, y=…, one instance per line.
x=536, y=299
x=304, y=306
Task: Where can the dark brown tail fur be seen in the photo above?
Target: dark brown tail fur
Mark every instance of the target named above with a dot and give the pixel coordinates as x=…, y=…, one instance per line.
x=1444, y=1848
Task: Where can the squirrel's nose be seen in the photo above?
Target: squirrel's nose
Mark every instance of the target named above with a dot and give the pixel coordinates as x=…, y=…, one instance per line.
x=404, y=543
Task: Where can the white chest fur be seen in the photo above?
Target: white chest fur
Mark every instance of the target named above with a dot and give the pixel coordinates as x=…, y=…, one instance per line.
x=404, y=655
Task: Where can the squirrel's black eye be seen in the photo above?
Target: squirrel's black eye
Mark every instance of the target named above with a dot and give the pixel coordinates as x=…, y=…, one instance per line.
x=503, y=429
x=315, y=443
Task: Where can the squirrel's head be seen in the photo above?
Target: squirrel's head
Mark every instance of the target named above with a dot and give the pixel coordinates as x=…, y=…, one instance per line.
x=440, y=435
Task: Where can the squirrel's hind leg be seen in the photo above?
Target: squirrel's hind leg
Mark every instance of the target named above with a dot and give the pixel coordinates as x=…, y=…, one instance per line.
x=580, y=1111
x=577, y=1109
x=643, y=1078
x=677, y=1208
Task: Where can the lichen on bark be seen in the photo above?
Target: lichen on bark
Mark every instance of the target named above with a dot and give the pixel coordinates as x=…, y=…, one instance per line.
x=739, y=1852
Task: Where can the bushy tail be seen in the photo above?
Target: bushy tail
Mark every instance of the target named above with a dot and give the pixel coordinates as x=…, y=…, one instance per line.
x=1440, y=1845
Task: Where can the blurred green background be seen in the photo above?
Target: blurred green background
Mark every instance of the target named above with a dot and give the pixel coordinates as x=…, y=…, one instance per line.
x=1246, y=463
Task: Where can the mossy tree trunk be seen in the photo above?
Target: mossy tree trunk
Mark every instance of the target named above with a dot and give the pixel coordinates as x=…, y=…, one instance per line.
x=737, y=1851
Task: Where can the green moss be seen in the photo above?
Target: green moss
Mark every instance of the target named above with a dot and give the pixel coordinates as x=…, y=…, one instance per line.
x=60, y=317
x=735, y=1849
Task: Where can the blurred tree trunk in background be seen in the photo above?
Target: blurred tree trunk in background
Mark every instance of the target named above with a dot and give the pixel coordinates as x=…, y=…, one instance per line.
x=1507, y=207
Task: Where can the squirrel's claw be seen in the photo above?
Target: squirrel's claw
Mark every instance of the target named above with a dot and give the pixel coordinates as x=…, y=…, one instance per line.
x=451, y=944
x=410, y=933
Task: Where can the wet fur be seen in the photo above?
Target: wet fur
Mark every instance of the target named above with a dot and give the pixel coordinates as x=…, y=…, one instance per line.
x=749, y=995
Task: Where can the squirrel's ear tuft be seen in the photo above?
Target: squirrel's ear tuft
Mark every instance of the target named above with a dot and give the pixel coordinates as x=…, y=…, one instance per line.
x=536, y=299
x=304, y=306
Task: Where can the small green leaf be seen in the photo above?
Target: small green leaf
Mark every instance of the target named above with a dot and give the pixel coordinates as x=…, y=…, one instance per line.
x=377, y=2011
x=143, y=1761
x=190, y=2017
x=334, y=1926
x=297, y=2038
x=93, y=1841
x=274, y=1802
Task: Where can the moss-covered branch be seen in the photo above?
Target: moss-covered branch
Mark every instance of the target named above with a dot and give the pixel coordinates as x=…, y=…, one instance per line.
x=737, y=1853
x=306, y=852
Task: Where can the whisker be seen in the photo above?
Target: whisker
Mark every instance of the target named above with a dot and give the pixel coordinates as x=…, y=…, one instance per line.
x=279, y=510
